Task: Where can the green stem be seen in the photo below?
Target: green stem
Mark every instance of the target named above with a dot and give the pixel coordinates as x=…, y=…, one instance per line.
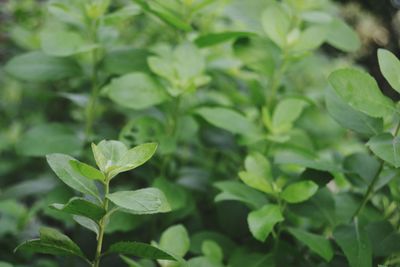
x=102, y=226
x=277, y=80
x=91, y=107
x=373, y=182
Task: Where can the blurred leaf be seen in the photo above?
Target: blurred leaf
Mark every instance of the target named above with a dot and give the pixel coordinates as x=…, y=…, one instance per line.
x=299, y=191
x=126, y=60
x=286, y=113
x=142, y=201
x=211, y=39
x=390, y=68
x=232, y=190
x=350, y=118
x=49, y=138
x=316, y=243
x=176, y=240
x=141, y=250
x=257, y=182
x=361, y=92
x=276, y=23
x=387, y=147
x=310, y=39
x=227, y=119
x=384, y=238
x=136, y=90
x=342, y=37
x=212, y=250
x=261, y=222
x=175, y=194
x=355, y=244
x=39, y=67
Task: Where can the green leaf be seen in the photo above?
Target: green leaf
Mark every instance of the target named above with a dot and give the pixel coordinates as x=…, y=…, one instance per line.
x=232, y=190
x=63, y=43
x=211, y=39
x=60, y=164
x=387, y=147
x=141, y=250
x=350, y=118
x=361, y=92
x=164, y=14
x=257, y=182
x=107, y=153
x=355, y=244
x=390, y=67
x=112, y=157
x=87, y=170
x=176, y=195
x=136, y=90
x=276, y=23
x=286, y=113
x=142, y=201
x=342, y=37
x=39, y=67
x=126, y=60
x=81, y=207
x=49, y=138
x=176, y=240
x=316, y=243
x=87, y=223
x=212, y=250
x=262, y=221
x=299, y=191
x=385, y=240
x=52, y=242
x=310, y=39
x=258, y=164
x=227, y=119
x=121, y=14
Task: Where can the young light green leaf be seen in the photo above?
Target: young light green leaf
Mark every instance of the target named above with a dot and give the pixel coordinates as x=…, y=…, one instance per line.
x=142, y=201
x=135, y=157
x=232, y=190
x=49, y=138
x=257, y=182
x=81, y=207
x=141, y=250
x=286, y=113
x=176, y=240
x=87, y=170
x=107, y=153
x=350, y=118
x=262, y=221
x=212, y=250
x=52, y=242
x=342, y=37
x=355, y=244
x=390, y=68
x=387, y=147
x=361, y=92
x=310, y=39
x=136, y=90
x=63, y=43
x=227, y=119
x=60, y=164
x=299, y=191
x=316, y=243
x=276, y=23
x=258, y=164
x=39, y=67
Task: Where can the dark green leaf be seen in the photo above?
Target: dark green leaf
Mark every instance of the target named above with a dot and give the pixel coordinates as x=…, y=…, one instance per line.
x=126, y=60
x=39, y=67
x=211, y=39
x=355, y=244
x=316, y=243
x=82, y=207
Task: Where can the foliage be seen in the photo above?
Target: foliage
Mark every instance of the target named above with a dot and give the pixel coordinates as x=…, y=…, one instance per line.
x=262, y=147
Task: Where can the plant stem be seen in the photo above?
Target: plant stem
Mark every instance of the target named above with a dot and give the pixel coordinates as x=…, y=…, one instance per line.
x=102, y=226
x=277, y=80
x=373, y=182
x=91, y=107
